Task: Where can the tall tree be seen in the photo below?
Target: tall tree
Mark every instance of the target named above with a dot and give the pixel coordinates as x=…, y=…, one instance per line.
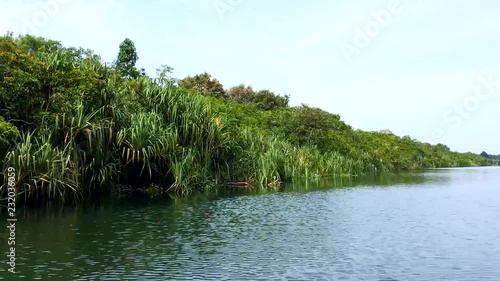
x=241, y=93
x=127, y=58
x=267, y=100
x=204, y=84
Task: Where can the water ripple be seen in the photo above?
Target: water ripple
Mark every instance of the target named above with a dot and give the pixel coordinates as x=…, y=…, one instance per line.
x=445, y=230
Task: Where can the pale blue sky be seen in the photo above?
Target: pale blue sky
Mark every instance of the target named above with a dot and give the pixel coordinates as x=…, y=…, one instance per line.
x=425, y=60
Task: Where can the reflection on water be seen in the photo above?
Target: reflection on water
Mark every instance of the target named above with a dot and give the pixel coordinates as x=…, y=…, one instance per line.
x=437, y=225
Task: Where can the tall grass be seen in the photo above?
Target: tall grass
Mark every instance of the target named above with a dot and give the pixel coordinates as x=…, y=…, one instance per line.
x=100, y=166
x=146, y=134
x=147, y=141
x=44, y=173
x=269, y=160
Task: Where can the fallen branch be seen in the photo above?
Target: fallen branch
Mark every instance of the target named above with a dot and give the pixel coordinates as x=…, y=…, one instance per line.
x=238, y=184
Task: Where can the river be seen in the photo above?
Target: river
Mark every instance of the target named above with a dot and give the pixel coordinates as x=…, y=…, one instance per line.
x=441, y=224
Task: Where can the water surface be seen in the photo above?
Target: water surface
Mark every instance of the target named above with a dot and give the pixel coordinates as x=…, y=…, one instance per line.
x=439, y=225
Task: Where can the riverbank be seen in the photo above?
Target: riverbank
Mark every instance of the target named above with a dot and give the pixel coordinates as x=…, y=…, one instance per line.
x=74, y=128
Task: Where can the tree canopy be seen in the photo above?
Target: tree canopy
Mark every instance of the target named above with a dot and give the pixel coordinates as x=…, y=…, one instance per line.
x=127, y=58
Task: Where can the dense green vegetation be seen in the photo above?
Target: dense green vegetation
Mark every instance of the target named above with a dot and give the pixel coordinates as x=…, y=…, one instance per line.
x=494, y=158
x=73, y=127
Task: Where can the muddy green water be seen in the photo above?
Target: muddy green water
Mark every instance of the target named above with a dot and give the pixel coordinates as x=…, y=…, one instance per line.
x=438, y=225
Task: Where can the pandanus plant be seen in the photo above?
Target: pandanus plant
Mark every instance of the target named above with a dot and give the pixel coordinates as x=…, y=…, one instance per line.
x=147, y=142
x=43, y=172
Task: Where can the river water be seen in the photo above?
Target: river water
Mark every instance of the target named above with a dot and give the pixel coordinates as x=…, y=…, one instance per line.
x=442, y=224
